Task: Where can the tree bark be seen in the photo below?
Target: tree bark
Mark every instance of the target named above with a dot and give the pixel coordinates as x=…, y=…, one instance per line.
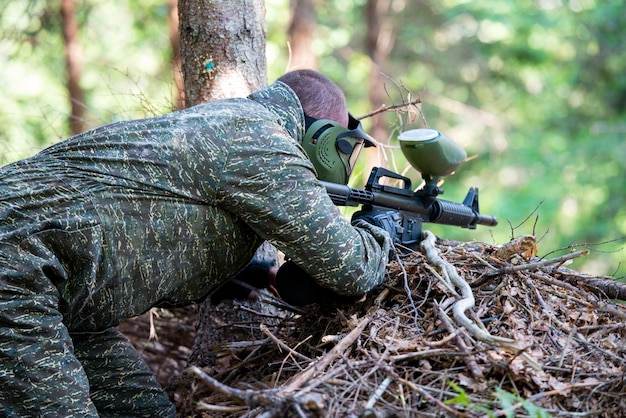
x=73, y=64
x=177, y=71
x=222, y=48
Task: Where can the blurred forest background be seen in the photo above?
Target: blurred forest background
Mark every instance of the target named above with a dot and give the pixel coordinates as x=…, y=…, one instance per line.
x=535, y=90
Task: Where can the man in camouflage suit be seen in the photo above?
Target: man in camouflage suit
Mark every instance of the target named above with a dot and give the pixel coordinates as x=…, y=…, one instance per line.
x=162, y=211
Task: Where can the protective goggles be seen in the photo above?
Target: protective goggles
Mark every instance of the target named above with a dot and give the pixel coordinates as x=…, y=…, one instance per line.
x=329, y=144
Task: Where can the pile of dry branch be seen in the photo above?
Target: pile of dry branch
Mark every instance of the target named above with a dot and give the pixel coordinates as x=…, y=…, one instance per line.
x=457, y=329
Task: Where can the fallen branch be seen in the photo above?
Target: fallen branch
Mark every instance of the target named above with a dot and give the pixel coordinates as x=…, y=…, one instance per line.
x=538, y=264
x=603, y=287
x=277, y=401
x=249, y=397
x=407, y=289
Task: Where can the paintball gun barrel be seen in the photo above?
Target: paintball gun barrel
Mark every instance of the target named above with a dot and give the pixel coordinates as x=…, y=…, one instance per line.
x=434, y=155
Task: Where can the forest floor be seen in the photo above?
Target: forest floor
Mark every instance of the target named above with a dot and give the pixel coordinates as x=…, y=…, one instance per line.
x=457, y=329
x=164, y=337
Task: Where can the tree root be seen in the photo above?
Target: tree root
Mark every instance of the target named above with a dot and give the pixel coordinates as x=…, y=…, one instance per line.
x=467, y=301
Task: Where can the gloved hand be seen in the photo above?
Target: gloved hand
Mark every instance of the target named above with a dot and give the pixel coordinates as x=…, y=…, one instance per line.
x=245, y=284
x=390, y=221
x=297, y=288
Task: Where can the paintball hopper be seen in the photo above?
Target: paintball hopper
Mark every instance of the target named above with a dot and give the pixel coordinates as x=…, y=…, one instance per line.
x=431, y=153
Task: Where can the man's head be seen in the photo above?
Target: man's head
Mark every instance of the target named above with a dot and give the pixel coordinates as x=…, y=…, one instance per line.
x=319, y=96
x=333, y=138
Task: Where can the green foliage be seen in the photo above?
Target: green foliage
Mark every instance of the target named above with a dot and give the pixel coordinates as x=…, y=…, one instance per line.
x=462, y=398
x=508, y=404
x=533, y=89
x=126, y=68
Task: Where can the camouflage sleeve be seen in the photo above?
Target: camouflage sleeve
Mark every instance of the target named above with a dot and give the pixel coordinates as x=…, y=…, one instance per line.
x=269, y=182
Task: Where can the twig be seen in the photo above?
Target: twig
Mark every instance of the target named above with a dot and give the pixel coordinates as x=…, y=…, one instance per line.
x=444, y=281
x=329, y=375
x=482, y=260
x=281, y=344
x=559, y=283
x=249, y=397
x=436, y=352
x=513, y=228
x=539, y=264
x=469, y=360
x=409, y=296
x=542, y=302
x=590, y=244
x=266, y=298
x=385, y=108
x=378, y=393
x=568, y=342
x=271, y=398
x=381, y=297
x=540, y=395
x=430, y=398
x=298, y=380
x=203, y=406
x=442, y=341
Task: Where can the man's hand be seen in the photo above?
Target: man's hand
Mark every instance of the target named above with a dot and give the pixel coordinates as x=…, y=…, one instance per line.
x=390, y=221
x=246, y=284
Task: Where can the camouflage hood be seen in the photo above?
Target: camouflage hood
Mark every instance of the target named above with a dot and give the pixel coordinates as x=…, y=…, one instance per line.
x=281, y=100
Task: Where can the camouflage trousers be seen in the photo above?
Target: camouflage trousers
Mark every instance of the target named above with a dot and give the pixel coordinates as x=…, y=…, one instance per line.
x=47, y=371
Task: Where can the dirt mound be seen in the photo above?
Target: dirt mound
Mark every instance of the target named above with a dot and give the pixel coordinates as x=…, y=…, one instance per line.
x=458, y=329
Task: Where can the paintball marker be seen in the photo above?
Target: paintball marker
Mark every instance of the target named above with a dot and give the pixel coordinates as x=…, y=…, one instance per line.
x=434, y=155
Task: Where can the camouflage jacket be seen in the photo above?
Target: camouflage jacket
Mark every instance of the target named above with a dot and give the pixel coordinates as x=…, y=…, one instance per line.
x=162, y=210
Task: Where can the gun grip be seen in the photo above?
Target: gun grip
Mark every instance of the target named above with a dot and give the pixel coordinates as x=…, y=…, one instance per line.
x=411, y=231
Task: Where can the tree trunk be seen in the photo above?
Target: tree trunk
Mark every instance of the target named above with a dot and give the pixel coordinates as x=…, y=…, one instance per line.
x=177, y=71
x=222, y=48
x=300, y=33
x=73, y=63
x=378, y=45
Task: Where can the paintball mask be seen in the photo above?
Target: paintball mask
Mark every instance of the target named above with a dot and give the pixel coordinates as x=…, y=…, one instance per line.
x=333, y=149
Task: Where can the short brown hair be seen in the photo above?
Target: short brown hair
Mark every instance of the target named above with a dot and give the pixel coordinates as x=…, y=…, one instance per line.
x=320, y=97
